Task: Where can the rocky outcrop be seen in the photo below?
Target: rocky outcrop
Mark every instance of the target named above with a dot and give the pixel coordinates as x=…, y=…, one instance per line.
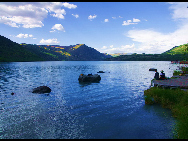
x=41, y=89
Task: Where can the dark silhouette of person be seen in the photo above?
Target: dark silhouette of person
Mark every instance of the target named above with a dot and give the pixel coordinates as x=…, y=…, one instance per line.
x=156, y=75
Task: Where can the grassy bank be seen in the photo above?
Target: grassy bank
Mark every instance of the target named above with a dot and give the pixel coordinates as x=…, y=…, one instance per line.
x=177, y=101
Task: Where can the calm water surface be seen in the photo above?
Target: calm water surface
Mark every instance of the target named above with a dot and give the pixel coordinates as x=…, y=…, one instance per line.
x=113, y=108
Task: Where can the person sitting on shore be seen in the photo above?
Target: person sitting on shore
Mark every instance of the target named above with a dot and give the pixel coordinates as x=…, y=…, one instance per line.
x=162, y=75
x=156, y=75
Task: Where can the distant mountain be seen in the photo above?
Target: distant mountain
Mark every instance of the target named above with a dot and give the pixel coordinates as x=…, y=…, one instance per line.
x=79, y=52
x=176, y=53
x=13, y=52
x=118, y=54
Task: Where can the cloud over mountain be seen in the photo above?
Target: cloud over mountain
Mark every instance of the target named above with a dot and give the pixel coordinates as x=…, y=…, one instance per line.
x=49, y=41
x=24, y=35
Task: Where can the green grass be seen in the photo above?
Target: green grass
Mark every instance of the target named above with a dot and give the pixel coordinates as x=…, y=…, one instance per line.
x=177, y=101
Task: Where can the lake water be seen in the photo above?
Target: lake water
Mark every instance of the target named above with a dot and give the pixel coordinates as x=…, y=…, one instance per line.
x=114, y=108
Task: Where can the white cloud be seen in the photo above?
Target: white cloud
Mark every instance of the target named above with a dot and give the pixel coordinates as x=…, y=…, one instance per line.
x=128, y=22
x=31, y=14
x=104, y=47
x=76, y=15
x=30, y=35
x=180, y=10
x=24, y=35
x=49, y=41
x=25, y=14
x=55, y=8
x=136, y=20
x=59, y=13
x=157, y=42
x=122, y=49
x=106, y=20
x=12, y=24
x=70, y=6
x=127, y=46
x=117, y=17
x=111, y=46
x=58, y=27
x=92, y=17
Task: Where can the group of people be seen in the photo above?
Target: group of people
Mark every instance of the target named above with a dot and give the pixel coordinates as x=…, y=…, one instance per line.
x=162, y=75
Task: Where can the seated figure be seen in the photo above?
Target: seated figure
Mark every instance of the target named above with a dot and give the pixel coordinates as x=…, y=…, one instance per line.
x=162, y=75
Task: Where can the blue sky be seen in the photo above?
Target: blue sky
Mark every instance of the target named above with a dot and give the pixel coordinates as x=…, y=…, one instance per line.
x=109, y=27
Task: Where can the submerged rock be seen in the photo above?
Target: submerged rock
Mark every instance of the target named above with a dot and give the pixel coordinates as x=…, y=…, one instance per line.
x=41, y=89
x=89, y=78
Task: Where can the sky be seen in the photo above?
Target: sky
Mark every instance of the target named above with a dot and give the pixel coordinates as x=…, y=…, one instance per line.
x=109, y=27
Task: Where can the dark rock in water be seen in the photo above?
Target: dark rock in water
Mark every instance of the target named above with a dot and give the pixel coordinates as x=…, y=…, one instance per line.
x=41, y=89
x=89, y=78
x=100, y=72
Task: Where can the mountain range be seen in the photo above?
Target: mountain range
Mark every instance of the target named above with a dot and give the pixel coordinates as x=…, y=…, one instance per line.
x=13, y=52
x=176, y=53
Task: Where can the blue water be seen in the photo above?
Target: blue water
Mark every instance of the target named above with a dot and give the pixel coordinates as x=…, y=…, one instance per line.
x=114, y=108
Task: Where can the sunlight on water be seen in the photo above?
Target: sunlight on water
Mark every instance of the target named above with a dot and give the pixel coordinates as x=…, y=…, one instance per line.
x=113, y=108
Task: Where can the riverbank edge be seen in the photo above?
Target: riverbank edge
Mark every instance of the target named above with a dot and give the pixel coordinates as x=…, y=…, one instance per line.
x=177, y=101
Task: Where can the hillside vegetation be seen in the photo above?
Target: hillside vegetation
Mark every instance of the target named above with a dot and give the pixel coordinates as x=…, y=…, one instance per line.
x=182, y=49
x=14, y=52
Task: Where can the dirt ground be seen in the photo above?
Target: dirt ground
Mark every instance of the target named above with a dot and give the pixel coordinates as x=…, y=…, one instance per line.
x=175, y=81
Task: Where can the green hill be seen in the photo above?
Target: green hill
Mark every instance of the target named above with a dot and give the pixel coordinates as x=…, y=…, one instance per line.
x=182, y=49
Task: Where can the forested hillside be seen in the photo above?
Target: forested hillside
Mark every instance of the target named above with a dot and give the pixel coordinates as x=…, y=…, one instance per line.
x=13, y=52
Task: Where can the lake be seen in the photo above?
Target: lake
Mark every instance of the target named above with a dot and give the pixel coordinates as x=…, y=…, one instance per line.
x=113, y=108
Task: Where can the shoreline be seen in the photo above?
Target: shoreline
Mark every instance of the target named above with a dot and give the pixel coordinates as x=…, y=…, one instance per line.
x=171, y=93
